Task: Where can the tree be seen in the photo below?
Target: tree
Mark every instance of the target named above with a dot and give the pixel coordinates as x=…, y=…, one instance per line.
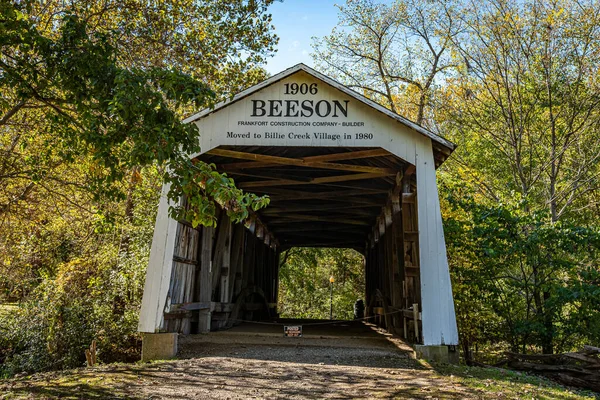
x=90, y=128
x=393, y=53
x=514, y=84
x=528, y=91
x=526, y=103
x=503, y=259
x=304, y=287
x=121, y=117
x=84, y=108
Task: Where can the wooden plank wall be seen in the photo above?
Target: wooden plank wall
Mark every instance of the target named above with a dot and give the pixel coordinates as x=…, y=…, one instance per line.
x=183, y=275
x=211, y=268
x=392, y=265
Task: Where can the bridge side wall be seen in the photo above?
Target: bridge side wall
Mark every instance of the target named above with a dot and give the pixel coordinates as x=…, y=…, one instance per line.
x=439, y=319
x=204, y=278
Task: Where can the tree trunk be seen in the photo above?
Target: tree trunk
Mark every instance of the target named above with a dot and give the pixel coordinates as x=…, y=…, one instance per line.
x=548, y=338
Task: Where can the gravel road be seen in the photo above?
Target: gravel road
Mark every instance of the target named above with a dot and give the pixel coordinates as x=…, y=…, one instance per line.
x=348, y=361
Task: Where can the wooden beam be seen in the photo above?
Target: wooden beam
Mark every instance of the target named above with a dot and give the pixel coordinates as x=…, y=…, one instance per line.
x=204, y=280
x=340, y=201
x=379, y=184
x=284, y=194
x=349, y=155
x=324, y=235
x=342, y=243
x=382, y=183
x=313, y=181
x=340, y=211
x=342, y=230
x=270, y=175
x=221, y=254
x=299, y=162
x=273, y=210
x=300, y=217
x=312, y=228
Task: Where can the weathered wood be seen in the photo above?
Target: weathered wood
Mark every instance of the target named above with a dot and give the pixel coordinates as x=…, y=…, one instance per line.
x=580, y=369
x=259, y=269
x=194, y=306
x=592, y=349
x=269, y=174
x=244, y=294
x=183, y=273
x=220, y=248
x=529, y=366
x=384, y=309
x=237, y=251
x=184, y=260
x=349, y=155
x=397, y=258
x=299, y=162
x=317, y=218
x=287, y=194
x=388, y=267
x=221, y=307
x=226, y=266
x=204, y=281
x=249, y=261
x=416, y=321
x=277, y=266
x=360, y=208
x=338, y=212
x=313, y=181
x=563, y=358
x=177, y=316
x=326, y=235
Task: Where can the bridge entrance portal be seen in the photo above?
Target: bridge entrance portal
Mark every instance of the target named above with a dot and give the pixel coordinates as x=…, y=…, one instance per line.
x=340, y=171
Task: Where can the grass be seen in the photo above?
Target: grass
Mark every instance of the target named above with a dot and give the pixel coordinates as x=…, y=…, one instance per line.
x=110, y=381
x=505, y=384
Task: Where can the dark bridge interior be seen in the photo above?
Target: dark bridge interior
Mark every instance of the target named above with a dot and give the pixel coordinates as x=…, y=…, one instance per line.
x=320, y=196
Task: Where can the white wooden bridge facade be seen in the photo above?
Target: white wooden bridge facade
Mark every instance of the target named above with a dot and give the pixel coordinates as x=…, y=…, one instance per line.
x=341, y=171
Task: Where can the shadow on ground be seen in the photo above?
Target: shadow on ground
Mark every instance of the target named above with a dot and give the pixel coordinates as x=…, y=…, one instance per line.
x=342, y=361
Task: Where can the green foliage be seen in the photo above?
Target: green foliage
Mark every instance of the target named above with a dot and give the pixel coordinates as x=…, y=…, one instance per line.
x=515, y=85
x=203, y=188
x=85, y=302
x=304, y=287
x=92, y=99
x=85, y=299
x=519, y=278
x=121, y=117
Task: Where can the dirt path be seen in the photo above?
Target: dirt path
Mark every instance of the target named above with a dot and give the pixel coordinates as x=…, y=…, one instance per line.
x=235, y=378
x=255, y=363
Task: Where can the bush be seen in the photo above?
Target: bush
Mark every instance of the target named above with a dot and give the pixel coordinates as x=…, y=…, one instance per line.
x=86, y=301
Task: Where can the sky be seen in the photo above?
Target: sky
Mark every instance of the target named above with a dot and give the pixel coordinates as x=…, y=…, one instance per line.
x=296, y=22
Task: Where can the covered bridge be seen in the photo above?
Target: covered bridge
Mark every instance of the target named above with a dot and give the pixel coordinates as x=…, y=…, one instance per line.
x=341, y=171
